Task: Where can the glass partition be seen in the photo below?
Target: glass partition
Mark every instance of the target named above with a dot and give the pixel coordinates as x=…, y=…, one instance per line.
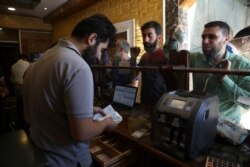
x=237, y=98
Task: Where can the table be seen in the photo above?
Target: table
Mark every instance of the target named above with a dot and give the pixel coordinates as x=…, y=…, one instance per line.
x=149, y=155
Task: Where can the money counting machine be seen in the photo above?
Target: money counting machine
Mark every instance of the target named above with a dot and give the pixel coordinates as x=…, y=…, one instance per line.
x=184, y=124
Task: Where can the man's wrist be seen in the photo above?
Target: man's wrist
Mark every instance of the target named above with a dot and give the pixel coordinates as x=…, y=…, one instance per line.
x=221, y=78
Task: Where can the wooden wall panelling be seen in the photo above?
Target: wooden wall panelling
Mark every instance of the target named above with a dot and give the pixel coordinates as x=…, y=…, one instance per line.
x=34, y=41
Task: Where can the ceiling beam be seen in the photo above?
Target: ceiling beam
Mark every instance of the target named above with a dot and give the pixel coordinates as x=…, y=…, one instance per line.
x=28, y=4
x=67, y=9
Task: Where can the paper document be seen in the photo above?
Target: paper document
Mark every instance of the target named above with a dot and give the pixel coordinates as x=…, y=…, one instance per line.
x=244, y=100
x=109, y=111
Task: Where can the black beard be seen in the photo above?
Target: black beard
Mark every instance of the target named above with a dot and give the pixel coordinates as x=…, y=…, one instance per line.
x=210, y=54
x=89, y=54
x=150, y=47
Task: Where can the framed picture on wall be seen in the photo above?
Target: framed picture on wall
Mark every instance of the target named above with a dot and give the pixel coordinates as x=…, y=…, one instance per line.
x=126, y=30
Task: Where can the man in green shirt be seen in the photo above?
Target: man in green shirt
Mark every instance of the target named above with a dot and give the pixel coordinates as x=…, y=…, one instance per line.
x=229, y=88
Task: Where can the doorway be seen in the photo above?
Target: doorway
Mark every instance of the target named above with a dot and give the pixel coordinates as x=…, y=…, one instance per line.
x=8, y=56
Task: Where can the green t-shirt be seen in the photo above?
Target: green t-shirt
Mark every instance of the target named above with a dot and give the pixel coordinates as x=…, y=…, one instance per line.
x=228, y=90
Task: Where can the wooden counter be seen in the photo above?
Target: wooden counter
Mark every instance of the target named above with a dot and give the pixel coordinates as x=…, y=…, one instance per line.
x=151, y=156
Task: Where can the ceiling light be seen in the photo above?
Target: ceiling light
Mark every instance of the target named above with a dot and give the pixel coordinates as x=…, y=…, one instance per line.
x=11, y=8
x=45, y=8
x=1, y=29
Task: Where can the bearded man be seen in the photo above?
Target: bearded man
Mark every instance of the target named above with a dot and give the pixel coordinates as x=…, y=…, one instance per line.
x=229, y=88
x=58, y=95
x=153, y=84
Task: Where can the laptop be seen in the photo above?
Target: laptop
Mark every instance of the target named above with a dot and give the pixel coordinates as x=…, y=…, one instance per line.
x=124, y=97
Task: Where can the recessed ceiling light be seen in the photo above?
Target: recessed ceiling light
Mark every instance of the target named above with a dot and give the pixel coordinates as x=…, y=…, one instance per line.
x=11, y=8
x=45, y=8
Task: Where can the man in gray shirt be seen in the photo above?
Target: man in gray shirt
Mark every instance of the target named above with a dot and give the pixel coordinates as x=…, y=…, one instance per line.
x=58, y=95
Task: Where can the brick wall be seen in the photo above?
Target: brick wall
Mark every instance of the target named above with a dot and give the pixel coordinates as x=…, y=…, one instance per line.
x=118, y=11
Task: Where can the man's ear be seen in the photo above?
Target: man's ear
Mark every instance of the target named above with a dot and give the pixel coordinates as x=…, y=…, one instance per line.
x=158, y=37
x=92, y=39
x=227, y=38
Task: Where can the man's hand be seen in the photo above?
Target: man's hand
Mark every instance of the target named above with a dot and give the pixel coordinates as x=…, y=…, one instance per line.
x=98, y=110
x=3, y=92
x=223, y=64
x=110, y=124
x=134, y=52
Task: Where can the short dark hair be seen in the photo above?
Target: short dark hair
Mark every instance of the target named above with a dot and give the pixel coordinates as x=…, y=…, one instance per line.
x=152, y=24
x=242, y=33
x=98, y=24
x=223, y=26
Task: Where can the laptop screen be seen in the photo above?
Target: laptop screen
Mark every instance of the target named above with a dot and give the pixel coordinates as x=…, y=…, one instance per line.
x=125, y=95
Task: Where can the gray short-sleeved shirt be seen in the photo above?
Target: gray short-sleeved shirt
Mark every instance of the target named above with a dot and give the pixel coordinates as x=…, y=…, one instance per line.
x=56, y=87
